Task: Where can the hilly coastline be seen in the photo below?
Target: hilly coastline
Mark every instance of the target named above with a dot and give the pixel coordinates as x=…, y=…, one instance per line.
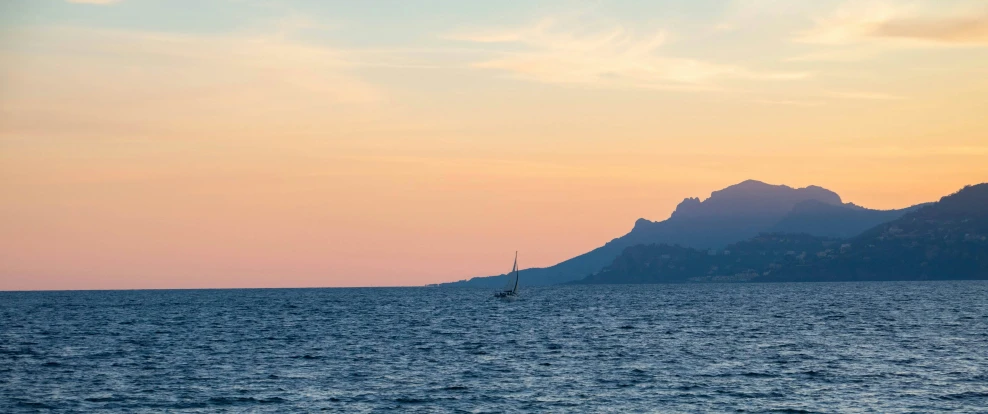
x=729, y=215
x=943, y=240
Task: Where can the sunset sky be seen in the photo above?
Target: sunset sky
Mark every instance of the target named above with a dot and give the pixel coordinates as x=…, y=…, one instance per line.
x=261, y=143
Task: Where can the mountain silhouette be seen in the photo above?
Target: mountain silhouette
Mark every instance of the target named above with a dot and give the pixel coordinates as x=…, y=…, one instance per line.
x=752, y=198
x=844, y=220
x=943, y=240
x=734, y=213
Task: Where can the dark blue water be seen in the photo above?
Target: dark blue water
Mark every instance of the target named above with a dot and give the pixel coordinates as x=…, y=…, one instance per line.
x=850, y=347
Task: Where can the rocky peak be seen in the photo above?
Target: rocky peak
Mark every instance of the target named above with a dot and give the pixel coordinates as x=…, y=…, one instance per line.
x=753, y=197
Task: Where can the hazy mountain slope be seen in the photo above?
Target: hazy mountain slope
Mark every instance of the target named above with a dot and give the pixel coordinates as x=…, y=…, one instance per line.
x=739, y=262
x=943, y=240
x=734, y=213
x=823, y=219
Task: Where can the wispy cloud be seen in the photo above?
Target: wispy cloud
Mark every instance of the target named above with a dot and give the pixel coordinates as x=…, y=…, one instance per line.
x=861, y=95
x=788, y=102
x=959, y=30
x=907, y=152
x=914, y=23
x=166, y=80
x=552, y=51
x=843, y=54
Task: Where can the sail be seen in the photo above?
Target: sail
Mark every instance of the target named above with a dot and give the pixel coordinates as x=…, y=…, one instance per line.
x=512, y=284
x=517, y=271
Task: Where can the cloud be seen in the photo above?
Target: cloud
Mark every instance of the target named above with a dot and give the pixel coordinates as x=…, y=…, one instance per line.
x=860, y=95
x=87, y=79
x=959, y=30
x=916, y=152
x=917, y=23
x=844, y=54
x=788, y=102
x=99, y=2
x=602, y=56
x=820, y=98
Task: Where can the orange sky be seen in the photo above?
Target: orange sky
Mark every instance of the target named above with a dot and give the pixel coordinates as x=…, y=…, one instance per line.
x=330, y=146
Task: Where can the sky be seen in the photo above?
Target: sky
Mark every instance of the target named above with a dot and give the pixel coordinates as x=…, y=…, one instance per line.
x=299, y=143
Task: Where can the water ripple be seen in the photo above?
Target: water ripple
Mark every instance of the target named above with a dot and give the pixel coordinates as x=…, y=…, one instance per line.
x=785, y=348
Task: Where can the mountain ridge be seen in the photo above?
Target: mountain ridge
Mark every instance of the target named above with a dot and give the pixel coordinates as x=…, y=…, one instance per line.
x=729, y=215
x=844, y=220
x=944, y=240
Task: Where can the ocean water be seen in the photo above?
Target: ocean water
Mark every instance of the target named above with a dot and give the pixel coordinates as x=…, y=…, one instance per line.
x=814, y=347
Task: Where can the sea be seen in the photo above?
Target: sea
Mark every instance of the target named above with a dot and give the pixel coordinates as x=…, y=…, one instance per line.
x=884, y=347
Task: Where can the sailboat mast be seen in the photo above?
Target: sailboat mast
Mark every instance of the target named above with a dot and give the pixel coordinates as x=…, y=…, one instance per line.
x=515, y=289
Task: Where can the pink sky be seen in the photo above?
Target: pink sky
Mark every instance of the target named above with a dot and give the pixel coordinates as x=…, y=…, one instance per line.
x=331, y=148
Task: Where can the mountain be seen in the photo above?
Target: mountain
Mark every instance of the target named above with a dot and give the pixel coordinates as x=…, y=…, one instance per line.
x=752, y=197
x=834, y=220
x=739, y=262
x=943, y=240
x=734, y=213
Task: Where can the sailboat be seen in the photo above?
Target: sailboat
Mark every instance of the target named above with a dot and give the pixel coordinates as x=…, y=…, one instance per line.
x=511, y=290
